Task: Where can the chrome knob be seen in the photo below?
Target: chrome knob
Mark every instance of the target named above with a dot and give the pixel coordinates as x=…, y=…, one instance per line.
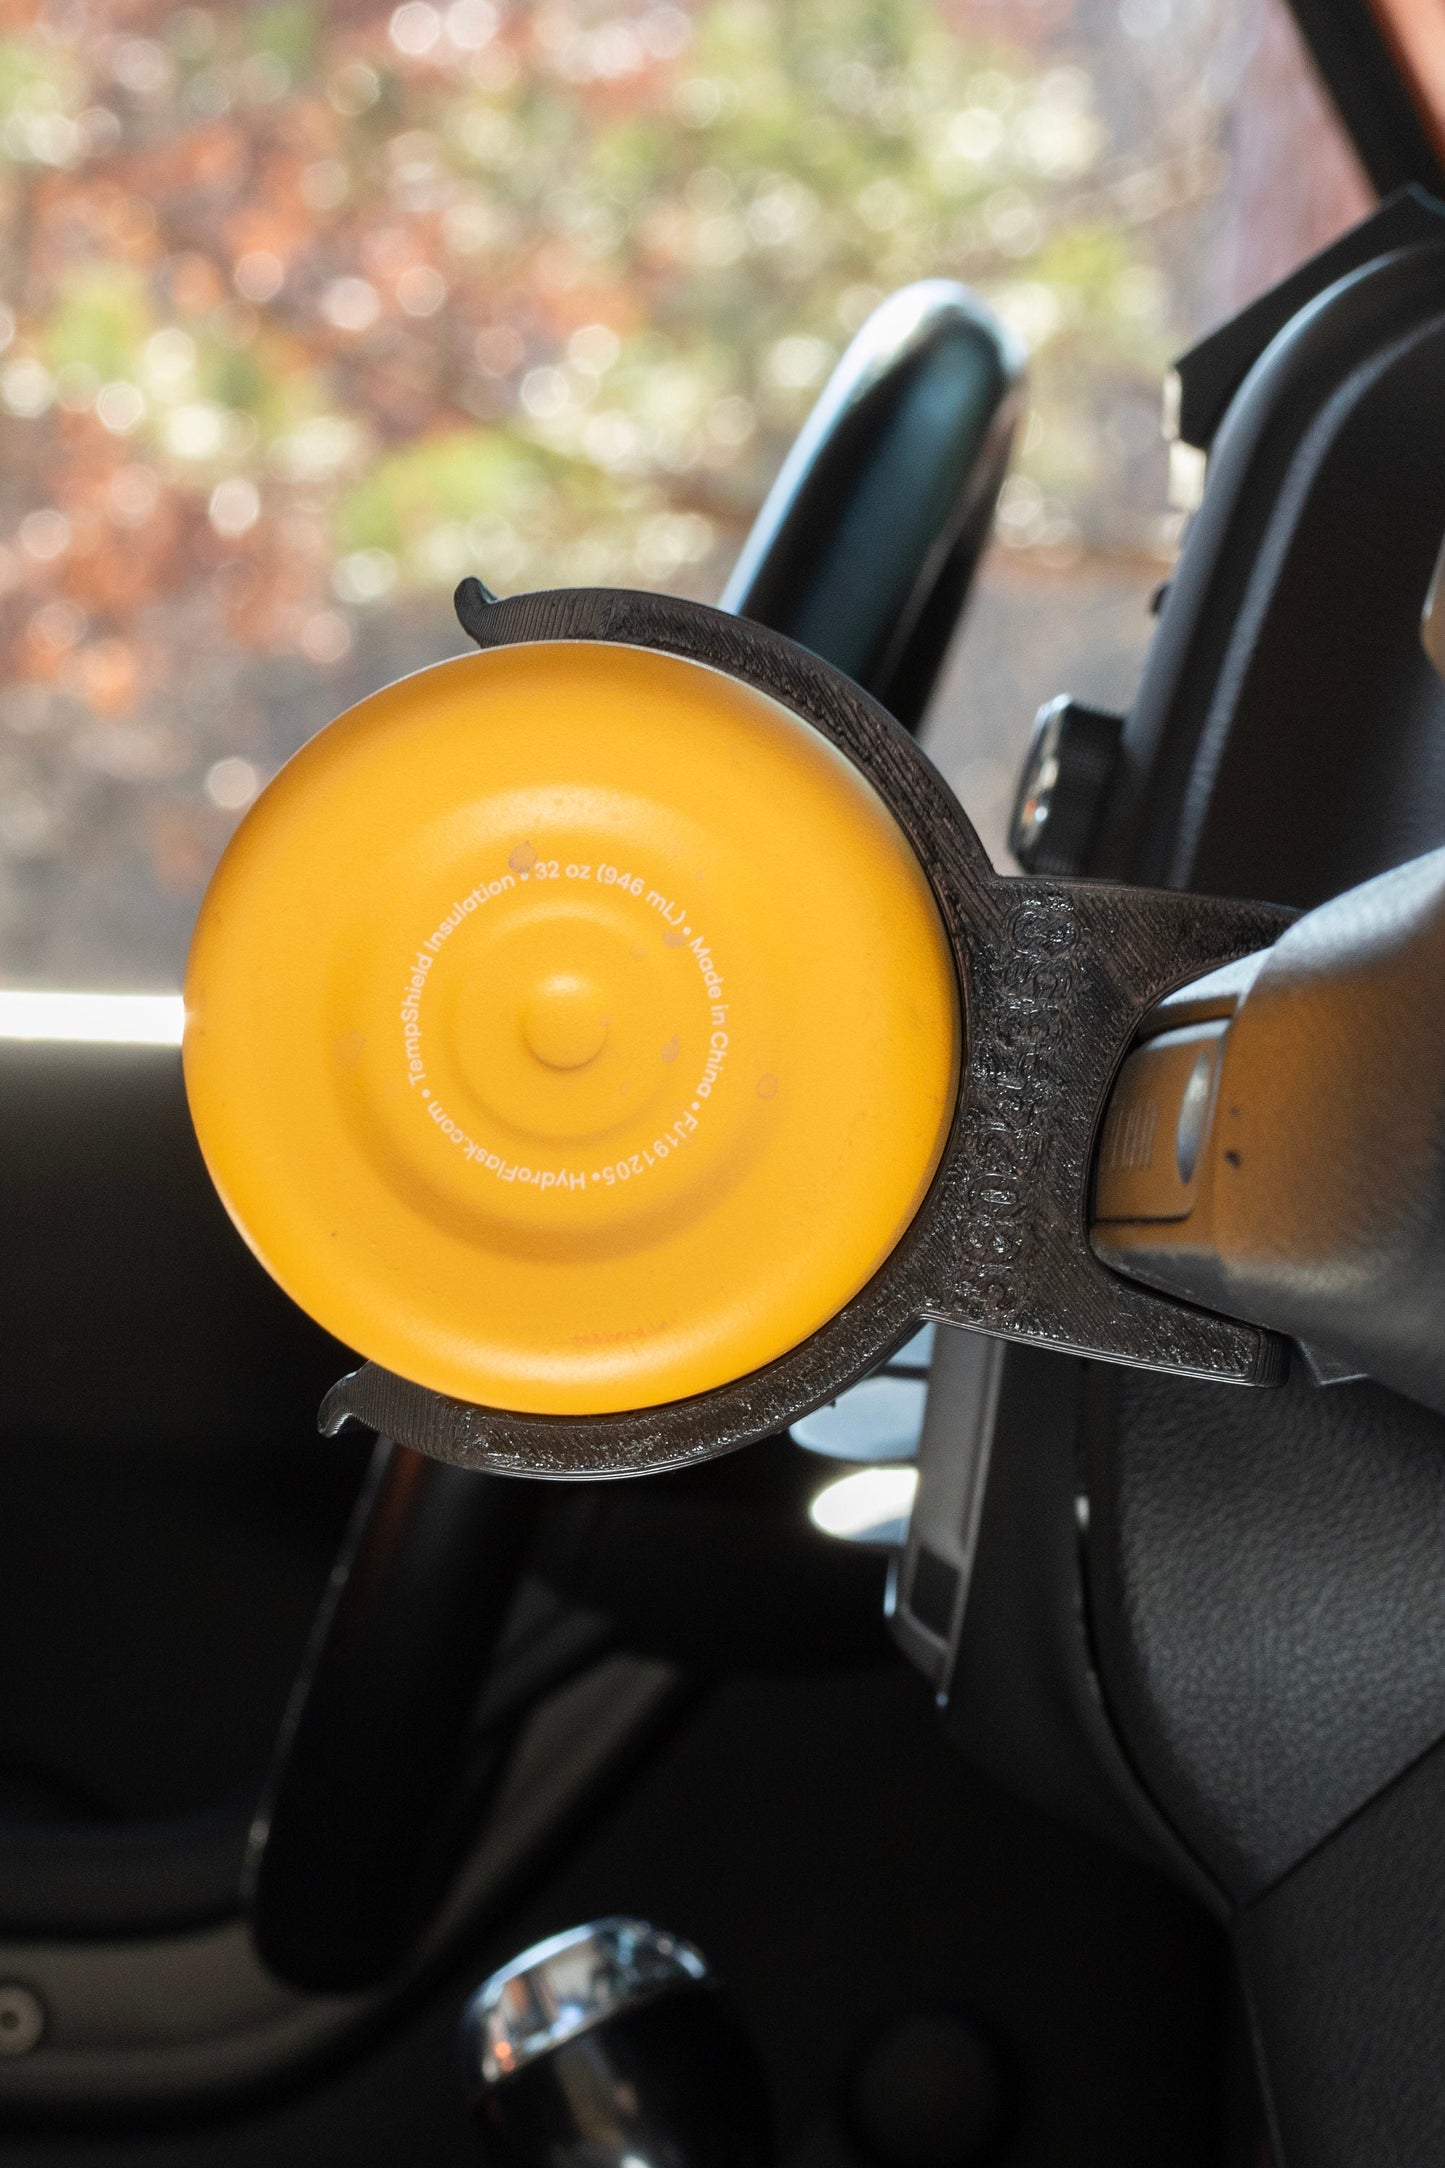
x=611, y=2044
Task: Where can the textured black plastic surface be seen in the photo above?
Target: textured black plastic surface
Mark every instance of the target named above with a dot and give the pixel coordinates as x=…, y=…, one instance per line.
x=1214, y=368
x=1269, y=1598
x=1022, y=1696
x=1268, y=1576
x=1345, y=1965
x=1286, y=711
x=1053, y=978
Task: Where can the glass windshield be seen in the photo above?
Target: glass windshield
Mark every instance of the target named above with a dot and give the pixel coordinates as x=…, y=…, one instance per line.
x=310, y=310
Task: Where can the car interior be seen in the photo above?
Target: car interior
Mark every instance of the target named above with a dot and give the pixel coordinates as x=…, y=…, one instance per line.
x=1002, y=1723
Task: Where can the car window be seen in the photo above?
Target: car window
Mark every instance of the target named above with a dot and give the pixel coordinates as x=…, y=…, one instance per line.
x=307, y=311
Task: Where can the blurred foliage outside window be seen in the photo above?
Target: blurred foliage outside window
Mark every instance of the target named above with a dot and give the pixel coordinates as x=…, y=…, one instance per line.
x=308, y=310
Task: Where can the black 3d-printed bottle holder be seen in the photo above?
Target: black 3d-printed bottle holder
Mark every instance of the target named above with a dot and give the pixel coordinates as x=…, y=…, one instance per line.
x=1054, y=977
